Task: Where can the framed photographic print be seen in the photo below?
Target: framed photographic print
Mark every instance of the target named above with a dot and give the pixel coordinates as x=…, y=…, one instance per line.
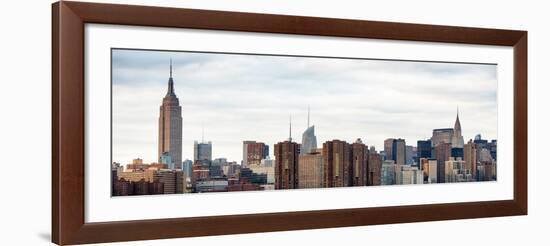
x=177, y=122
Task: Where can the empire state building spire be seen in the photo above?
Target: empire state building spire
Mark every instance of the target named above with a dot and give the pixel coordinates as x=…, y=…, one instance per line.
x=170, y=82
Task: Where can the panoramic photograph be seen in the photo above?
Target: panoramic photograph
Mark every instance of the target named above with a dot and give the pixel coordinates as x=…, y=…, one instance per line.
x=198, y=122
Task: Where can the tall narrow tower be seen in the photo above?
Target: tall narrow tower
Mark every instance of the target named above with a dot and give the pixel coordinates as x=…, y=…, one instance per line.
x=309, y=141
x=457, y=141
x=170, y=126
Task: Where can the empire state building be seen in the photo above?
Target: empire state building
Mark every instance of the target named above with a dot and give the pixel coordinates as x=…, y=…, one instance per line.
x=170, y=127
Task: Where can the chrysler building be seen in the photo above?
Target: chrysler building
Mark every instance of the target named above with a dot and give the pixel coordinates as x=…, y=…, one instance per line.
x=457, y=141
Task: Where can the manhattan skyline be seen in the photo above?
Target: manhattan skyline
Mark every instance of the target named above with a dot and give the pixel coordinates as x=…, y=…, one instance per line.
x=249, y=97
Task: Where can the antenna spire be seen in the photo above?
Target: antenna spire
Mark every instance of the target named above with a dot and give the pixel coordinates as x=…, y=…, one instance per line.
x=170, y=81
x=308, y=115
x=290, y=128
x=203, y=133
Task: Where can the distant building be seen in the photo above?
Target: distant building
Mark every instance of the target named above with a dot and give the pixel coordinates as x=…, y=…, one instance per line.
x=122, y=187
x=269, y=171
x=429, y=168
x=399, y=151
x=232, y=169
x=168, y=178
x=383, y=155
x=442, y=135
x=457, y=141
x=486, y=172
x=170, y=125
x=244, y=185
x=166, y=158
x=219, y=162
x=470, y=157
x=374, y=168
x=181, y=182
x=200, y=173
x=477, y=137
x=309, y=140
x=359, y=158
x=137, y=164
x=253, y=153
x=337, y=164
x=457, y=152
x=455, y=171
x=423, y=149
x=202, y=152
x=388, y=173
x=493, y=149
x=286, y=164
x=310, y=170
x=442, y=153
x=135, y=176
x=267, y=162
x=252, y=177
x=411, y=175
x=485, y=156
x=266, y=152
x=143, y=187
x=215, y=171
x=211, y=185
x=187, y=167
x=410, y=154
x=372, y=149
x=388, y=149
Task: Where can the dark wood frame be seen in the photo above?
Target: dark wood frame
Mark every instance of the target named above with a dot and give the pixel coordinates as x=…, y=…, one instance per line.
x=68, y=224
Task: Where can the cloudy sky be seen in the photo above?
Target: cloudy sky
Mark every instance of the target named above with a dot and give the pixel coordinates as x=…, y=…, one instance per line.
x=250, y=97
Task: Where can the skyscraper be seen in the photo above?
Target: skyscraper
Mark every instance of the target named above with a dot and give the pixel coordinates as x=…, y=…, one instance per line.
x=388, y=148
x=442, y=135
x=399, y=151
x=410, y=155
x=360, y=157
x=457, y=141
x=286, y=162
x=424, y=149
x=442, y=153
x=387, y=173
x=432, y=171
x=170, y=125
x=310, y=170
x=336, y=164
x=374, y=166
x=253, y=153
x=309, y=140
x=411, y=175
x=470, y=157
x=286, y=165
x=202, y=152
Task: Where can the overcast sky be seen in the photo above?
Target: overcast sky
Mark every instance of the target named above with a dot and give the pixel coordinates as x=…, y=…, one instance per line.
x=250, y=97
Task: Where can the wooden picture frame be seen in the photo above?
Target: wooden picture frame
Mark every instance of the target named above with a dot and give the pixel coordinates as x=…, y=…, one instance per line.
x=68, y=122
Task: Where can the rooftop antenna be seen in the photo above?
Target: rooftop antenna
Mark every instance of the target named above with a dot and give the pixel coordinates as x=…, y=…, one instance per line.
x=308, y=115
x=170, y=81
x=290, y=128
x=203, y=133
